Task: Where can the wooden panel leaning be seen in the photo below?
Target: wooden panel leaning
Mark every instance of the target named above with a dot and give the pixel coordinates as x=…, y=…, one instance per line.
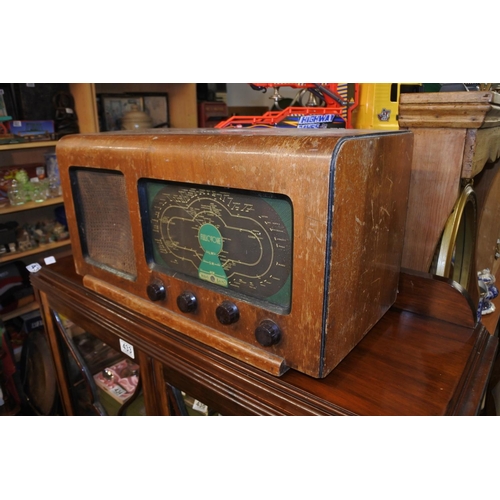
x=456, y=135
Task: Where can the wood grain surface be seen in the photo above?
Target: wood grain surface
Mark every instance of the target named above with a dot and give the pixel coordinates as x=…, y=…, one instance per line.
x=349, y=193
x=410, y=363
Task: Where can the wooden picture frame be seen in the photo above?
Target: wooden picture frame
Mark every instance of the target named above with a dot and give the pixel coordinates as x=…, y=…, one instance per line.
x=114, y=106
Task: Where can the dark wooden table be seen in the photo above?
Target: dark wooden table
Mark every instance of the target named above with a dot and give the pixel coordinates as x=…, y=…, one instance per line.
x=426, y=356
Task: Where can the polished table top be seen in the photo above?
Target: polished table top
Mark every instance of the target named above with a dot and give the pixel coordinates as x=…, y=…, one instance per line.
x=426, y=356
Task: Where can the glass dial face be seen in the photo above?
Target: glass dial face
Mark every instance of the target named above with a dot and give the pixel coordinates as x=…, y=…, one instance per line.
x=233, y=239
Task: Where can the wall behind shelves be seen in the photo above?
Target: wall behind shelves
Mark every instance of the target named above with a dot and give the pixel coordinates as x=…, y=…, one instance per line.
x=38, y=214
x=241, y=94
x=23, y=156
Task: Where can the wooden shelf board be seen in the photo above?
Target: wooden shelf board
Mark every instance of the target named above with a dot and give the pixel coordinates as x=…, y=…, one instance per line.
x=490, y=321
x=27, y=145
x=40, y=249
x=32, y=306
x=30, y=205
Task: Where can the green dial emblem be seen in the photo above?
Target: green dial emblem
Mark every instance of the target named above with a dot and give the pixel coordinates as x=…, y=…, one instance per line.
x=210, y=267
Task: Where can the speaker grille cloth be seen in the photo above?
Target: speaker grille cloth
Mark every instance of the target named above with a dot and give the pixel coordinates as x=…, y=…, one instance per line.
x=105, y=220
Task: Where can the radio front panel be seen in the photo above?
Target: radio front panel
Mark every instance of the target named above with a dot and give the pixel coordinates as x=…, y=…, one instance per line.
x=280, y=248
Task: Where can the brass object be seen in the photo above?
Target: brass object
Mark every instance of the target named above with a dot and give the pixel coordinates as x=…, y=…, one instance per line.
x=456, y=250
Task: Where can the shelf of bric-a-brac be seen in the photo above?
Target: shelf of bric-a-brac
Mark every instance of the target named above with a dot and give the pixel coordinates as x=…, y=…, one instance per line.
x=23, y=213
x=56, y=250
x=19, y=154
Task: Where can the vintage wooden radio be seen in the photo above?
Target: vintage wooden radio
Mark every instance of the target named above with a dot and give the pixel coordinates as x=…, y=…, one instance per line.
x=281, y=248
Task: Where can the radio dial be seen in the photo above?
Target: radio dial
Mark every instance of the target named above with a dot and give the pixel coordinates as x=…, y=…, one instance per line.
x=268, y=333
x=227, y=313
x=187, y=302
x=156, y=291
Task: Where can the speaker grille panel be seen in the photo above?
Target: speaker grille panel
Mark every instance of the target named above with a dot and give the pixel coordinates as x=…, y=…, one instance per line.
x=104, y=220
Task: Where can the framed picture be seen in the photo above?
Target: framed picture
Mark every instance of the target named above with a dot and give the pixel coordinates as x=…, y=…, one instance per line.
x=9, y=107
x=3, y=107
x=156, y=106
x=114, y=106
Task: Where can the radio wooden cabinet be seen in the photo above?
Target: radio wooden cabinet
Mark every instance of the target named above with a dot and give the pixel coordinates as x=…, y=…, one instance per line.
x=426, y=356
x=279, y=247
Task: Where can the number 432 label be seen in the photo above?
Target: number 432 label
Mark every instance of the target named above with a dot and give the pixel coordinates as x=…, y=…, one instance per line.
x=127, y=348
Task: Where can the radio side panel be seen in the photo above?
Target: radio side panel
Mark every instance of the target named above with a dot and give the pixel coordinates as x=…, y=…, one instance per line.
x=370, y=197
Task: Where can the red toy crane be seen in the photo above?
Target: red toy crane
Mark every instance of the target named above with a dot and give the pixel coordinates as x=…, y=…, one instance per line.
x=328, y=105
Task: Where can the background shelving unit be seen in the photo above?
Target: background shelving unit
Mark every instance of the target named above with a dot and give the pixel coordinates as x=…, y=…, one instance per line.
x=182, y=114
x=21, y=154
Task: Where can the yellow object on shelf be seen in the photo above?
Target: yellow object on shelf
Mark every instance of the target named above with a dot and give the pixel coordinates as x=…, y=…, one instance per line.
x=378, y=106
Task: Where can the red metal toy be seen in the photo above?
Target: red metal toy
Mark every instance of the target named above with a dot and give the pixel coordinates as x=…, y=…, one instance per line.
x=329, y=105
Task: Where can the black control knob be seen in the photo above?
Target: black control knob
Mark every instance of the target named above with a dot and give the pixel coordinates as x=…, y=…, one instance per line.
x=268, y=333
x=156, y=291
x=187, y=302
x=227, y=313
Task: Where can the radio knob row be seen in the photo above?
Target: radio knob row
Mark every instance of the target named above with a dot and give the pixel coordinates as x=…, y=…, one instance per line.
x=268, y=333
